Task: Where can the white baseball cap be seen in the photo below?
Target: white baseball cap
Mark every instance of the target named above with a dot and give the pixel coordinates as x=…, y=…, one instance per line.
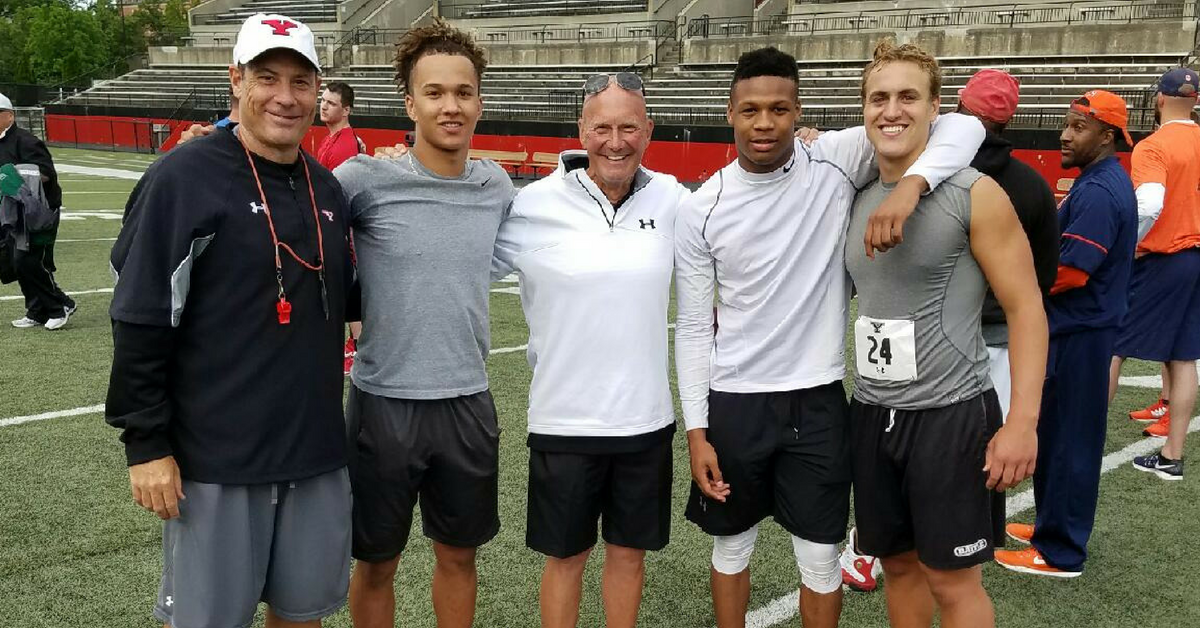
x=267, y=31
x=5, y=103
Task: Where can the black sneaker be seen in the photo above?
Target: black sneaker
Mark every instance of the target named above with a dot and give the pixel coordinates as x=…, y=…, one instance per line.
x=1160, y=465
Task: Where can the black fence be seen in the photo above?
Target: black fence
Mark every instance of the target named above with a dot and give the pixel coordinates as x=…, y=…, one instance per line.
x=999, y=15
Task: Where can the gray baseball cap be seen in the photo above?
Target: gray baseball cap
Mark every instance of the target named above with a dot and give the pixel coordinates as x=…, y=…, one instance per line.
x=5, y=103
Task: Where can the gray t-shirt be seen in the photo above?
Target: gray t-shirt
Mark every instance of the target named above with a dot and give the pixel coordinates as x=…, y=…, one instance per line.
x=928, y=293
x=424, y=245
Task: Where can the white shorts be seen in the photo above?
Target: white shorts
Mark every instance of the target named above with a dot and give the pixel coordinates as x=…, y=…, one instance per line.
x=1001, y=377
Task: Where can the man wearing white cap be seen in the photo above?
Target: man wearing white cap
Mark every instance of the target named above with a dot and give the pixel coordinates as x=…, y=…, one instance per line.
x=45, y=303
x=254, y=440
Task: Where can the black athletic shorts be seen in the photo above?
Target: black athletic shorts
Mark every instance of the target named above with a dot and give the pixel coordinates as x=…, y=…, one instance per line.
x=629, y=492
x=443, y=451
x=784, y=454
x=919, y=482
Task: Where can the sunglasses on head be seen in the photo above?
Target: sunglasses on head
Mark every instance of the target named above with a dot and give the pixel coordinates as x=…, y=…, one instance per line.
x=625, y=80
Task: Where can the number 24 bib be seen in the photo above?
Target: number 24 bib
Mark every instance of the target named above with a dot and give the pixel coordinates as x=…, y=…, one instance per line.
x=886, y=350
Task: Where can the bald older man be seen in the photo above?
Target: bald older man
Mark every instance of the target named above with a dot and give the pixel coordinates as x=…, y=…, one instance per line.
x=593, y=245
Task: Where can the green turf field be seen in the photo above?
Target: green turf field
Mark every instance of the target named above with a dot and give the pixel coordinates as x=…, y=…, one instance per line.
x=76, y=551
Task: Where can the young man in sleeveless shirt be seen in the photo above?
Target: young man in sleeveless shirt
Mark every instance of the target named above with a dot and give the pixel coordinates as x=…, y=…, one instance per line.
x=925, y=422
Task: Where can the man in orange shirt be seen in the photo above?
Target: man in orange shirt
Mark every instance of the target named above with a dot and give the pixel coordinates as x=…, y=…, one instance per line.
x=1163, y=324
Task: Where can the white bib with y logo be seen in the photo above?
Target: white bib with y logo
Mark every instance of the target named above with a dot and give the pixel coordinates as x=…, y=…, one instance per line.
x=886, y=350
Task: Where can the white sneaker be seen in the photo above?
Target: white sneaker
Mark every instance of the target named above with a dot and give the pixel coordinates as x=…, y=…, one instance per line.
x=59, y=323
x=859, y=572
x=25, y=323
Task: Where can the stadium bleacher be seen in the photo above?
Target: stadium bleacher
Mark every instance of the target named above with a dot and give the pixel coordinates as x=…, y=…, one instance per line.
x=307, y=11
x=689, y=93
x=538, y=8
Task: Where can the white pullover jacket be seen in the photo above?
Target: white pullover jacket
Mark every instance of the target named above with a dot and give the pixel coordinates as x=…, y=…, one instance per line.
x=595, y=287
x=770, y=246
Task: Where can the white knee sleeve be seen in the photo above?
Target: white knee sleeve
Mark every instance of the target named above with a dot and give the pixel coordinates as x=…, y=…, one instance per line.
x=818, y=563
x=731, y=554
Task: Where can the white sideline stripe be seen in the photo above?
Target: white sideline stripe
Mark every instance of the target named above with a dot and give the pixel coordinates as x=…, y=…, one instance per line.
x=113, y=173
x=1024, y=501
x=87, y=240
x=18, y=297
x=17, y=420
x=1148, y=381
x=1143, y=381
x=784, y=607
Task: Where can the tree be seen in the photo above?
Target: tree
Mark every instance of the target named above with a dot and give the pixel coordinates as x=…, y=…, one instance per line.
x=61, y=43
x=9, y=8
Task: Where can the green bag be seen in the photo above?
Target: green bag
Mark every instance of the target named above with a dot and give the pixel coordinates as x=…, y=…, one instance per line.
x=10, y=180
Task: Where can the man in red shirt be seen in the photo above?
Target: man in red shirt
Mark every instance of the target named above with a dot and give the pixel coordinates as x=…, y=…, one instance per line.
x=342, y=144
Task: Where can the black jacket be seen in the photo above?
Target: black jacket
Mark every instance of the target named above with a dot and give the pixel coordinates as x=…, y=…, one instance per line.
x=19, y=146
x=1034, y=201
x=202, y=368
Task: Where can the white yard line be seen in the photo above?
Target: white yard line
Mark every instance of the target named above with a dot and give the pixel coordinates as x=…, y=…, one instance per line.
x=17, y=420
x=87, y=240
x=18, y=297
x=785, y=607
x=113, y=173
x=1148, y=381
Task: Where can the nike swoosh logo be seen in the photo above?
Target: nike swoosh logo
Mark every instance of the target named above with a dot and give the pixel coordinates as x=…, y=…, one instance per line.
x=1038, y=560
x=484, y=184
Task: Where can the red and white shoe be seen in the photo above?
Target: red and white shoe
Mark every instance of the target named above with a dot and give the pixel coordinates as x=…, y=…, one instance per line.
x=1159, y=428
x=859, y=572
x=351, y=350
x=1150, y=413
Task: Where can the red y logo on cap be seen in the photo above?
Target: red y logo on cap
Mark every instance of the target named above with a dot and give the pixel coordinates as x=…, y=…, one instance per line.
x=281, y=27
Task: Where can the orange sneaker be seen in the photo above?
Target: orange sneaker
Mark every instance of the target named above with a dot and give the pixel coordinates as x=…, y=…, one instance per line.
x=1150, y=413
x=1030, y=561
x=1019, y=532
x=1159, y=428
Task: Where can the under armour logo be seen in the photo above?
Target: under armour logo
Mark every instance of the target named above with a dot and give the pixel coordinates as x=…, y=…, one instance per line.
x=646, y=223
x=878, y=327
x=328, y=214
x=257, y=207
x=170, y=602
x=281, y=27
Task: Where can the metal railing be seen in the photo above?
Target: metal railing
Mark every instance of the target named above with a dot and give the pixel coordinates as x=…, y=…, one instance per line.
x=705, y=27
x=624, y=31
x=468, y=9
x=32, y=119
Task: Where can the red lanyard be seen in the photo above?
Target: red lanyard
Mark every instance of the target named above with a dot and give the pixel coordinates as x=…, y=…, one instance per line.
x=283, y=308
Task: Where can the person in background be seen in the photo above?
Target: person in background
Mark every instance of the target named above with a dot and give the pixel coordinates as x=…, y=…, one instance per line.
x=341, y=144
x=1098, y=222
x=1163, y=324
x=46, y=305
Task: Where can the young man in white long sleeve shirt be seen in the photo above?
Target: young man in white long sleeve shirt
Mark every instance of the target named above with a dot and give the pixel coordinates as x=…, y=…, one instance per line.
x=762, y=396
x=594, y=248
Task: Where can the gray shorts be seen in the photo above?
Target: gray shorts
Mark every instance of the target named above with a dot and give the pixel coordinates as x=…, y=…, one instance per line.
x=233, y=546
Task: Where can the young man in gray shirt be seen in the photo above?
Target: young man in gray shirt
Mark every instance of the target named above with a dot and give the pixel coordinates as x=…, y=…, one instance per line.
x=421, y=423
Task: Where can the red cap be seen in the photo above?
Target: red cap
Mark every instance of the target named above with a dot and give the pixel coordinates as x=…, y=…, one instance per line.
x=1106, y=107
x=991, y=95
